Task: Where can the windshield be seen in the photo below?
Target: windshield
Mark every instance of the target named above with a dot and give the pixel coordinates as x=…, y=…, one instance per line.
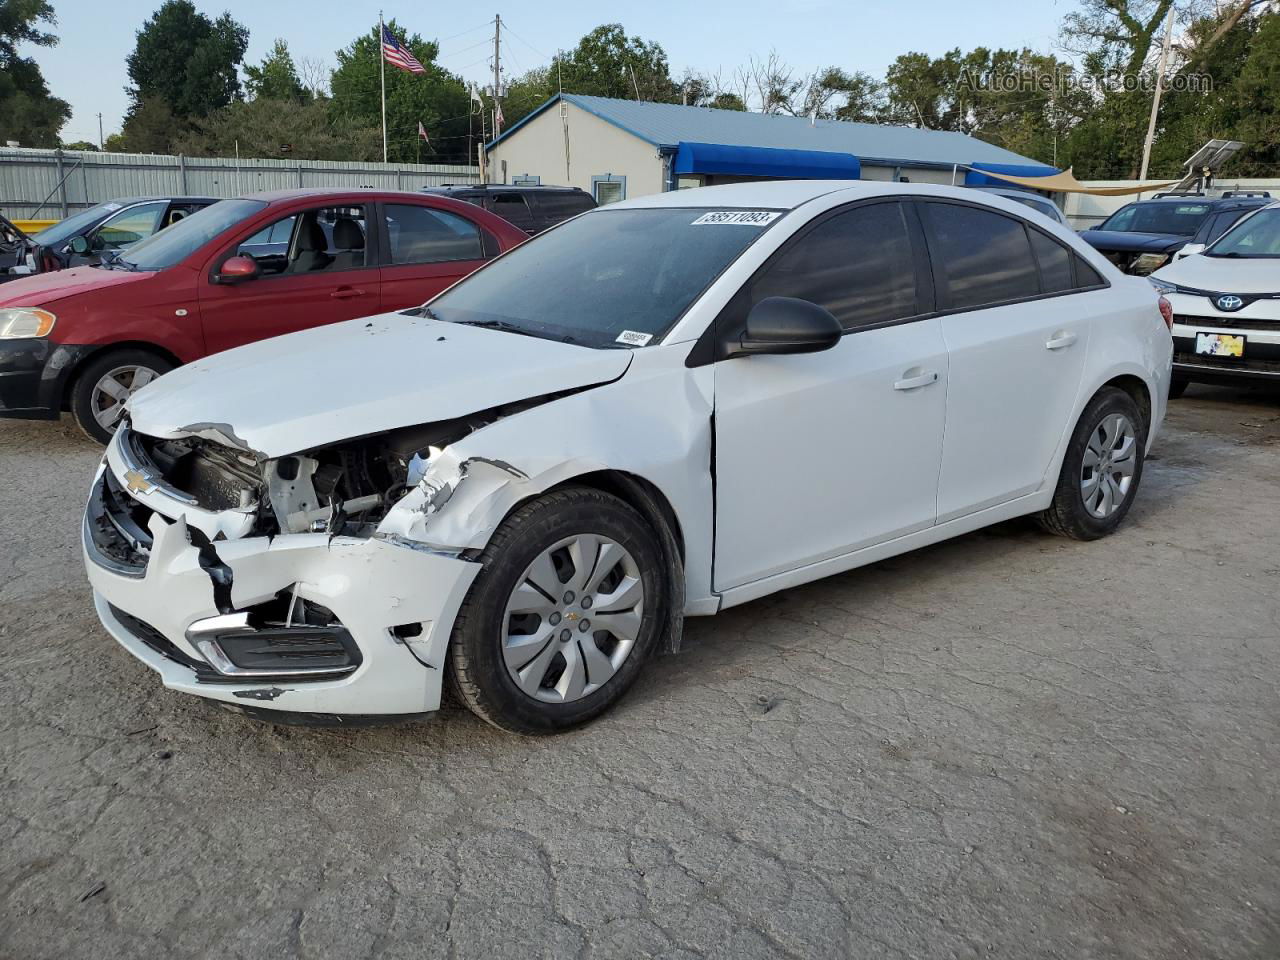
x=1257, y=236
x=1182, y=219
x=609, y=278
x=59, y=233
x=176, y=243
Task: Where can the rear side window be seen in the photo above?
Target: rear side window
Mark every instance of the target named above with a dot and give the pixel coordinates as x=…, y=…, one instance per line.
x=858, y=264
x=424, y=235
x=1055, y=263
x=562, y=206
x=510, y=206
x=1086, y=276
x=980, y=257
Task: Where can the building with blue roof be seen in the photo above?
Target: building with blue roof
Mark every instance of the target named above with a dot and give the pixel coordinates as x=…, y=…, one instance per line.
x=626, y=148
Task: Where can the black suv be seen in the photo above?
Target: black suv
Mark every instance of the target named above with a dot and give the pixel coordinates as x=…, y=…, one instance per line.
x=1144, y=235
x=530, y=207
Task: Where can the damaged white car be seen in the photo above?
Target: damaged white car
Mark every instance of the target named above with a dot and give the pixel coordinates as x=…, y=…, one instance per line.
x=662, y=408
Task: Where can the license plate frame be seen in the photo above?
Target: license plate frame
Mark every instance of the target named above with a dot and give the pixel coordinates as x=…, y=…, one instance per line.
x=1229, y=345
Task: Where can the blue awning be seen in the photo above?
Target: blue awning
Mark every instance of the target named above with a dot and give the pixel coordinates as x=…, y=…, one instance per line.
x=765, y=162
x=973, y=178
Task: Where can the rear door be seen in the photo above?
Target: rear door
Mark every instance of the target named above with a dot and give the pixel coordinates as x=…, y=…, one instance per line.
x=512, y=207
x=427, y=250
x=326, y=271
x=1016, y=340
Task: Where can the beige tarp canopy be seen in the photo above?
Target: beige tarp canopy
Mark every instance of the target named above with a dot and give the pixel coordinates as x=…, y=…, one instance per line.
x=1066, y=182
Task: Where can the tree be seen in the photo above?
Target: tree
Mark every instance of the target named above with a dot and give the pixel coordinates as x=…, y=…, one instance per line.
x=187, y=61
x=437, y=99
x=84, y=145
x=29, y=113
x=276, y=78
x=835, y=94
x=149, y=127
x=608, y=63
x=301, y=129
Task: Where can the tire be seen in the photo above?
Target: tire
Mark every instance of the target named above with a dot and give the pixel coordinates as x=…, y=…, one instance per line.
x=486, y=648
x=1177, y=387
x=128, y=366
x=1075, y=509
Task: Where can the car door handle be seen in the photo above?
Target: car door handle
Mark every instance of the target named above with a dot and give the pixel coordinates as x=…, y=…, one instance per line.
x=1061, y=339
x=913, y=383
x=346, y=293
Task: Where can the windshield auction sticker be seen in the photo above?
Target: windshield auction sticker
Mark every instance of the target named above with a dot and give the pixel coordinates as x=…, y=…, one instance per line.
x=633, y=338
x=744, y=218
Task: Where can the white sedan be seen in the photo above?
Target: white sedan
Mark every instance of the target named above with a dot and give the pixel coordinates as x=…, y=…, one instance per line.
x=660, y=409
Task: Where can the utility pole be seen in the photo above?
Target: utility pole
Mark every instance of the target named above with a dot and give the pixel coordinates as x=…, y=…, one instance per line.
x=100, y=143
x=497, y=70
x=1155, y=99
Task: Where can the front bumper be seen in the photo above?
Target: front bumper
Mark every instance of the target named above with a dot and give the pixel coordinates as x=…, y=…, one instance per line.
x=34, y=375
x=1261, y=360
x=396, y=601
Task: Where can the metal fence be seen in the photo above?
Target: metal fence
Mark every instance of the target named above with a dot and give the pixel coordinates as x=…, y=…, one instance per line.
x=55, y=183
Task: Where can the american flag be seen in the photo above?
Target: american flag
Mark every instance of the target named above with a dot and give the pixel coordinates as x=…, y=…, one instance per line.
x=397, y=54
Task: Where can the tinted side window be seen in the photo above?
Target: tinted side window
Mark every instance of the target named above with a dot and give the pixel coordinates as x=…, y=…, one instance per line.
x=1086, y=276
x=857, y=264
x=562, y=206
x=979, y=256
x=1218, y=225
x=424, y=235
x=510, y=207
x=1055, y=263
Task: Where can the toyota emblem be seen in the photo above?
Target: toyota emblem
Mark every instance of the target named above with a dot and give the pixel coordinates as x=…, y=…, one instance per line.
x=1229, y=303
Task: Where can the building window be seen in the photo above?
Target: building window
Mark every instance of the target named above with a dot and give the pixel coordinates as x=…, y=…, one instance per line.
x=608, y=188
x=526, y=180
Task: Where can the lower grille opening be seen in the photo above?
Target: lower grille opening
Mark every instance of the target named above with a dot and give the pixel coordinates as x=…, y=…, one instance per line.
x=158, y=642
x=285, y=637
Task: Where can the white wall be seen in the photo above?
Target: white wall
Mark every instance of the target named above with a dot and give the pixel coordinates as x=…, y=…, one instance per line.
x=595, y=148
x=1084, y=211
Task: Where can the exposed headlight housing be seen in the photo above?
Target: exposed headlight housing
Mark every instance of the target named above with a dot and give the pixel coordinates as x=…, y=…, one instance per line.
x=1148, y=262
x=1163, y=286
x=23, y=322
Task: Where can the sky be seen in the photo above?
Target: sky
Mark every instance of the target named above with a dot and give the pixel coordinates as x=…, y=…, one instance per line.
x=87, y=67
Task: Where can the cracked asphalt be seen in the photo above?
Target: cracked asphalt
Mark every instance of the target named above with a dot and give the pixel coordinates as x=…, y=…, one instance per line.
x=1008, y=745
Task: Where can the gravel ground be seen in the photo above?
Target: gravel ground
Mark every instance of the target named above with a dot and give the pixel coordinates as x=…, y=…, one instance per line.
x=1008, y=745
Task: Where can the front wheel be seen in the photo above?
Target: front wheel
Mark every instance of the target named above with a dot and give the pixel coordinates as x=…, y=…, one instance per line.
x=1102, y=468
x=100, y=392
x=570, y=603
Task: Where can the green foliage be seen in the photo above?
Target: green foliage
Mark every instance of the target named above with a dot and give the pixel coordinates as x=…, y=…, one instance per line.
x=301, y=129
x=608, y=63
x=29, y=113
x=438, y=99
x=276, y=78
x=150, y=127
x=187, y=60
x=84, y=145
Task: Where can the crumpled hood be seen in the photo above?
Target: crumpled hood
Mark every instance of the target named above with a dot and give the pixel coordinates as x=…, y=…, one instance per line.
x=307, y=389
x=1135, y=242
x=1224, y=274
x=39, y=289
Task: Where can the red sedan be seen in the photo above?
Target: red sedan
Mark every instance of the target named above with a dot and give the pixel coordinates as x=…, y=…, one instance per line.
x=238, y=271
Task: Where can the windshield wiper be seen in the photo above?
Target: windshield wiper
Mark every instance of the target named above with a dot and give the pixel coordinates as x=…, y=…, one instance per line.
x=504, y=325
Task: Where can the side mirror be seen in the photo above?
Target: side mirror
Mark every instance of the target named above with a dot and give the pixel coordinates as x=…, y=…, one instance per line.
x=237, y=270
x=78, y=246
x=786, y=325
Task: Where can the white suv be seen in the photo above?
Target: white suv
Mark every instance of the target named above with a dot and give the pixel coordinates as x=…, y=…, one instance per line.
x=661, y=408
x=1226, y=305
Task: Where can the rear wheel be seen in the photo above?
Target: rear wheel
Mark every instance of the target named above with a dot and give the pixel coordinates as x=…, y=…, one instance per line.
x=100, y=392
x=1102, y=468
x=558, y=624
x=1177, y=387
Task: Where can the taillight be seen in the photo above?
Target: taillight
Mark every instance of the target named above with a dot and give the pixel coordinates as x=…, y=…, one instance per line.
x=1166, y=311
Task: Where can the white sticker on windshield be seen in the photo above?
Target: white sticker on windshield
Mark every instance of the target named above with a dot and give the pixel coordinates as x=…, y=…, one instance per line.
x=746, y=218
x=634, y=338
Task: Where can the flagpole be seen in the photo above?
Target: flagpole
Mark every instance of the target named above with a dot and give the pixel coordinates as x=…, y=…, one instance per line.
x=382, y=74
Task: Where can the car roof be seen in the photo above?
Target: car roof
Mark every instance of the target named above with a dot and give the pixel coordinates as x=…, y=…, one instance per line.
x=1212, y=201
x=540, y=187
x=790, y=194
x=309, y=193
x=125, y=201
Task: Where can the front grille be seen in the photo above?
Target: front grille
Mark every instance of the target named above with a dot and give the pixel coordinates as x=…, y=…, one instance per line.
x=161, y=644
x=116, y=526
x=1247, y=323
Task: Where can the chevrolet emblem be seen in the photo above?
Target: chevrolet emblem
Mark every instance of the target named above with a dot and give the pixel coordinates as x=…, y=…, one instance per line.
x=137, y=482
x=571, y=616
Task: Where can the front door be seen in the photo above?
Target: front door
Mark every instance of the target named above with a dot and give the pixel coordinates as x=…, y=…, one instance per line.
x=818, y=455
x=428, y=250
x=316, y=268
x=1016, y=367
